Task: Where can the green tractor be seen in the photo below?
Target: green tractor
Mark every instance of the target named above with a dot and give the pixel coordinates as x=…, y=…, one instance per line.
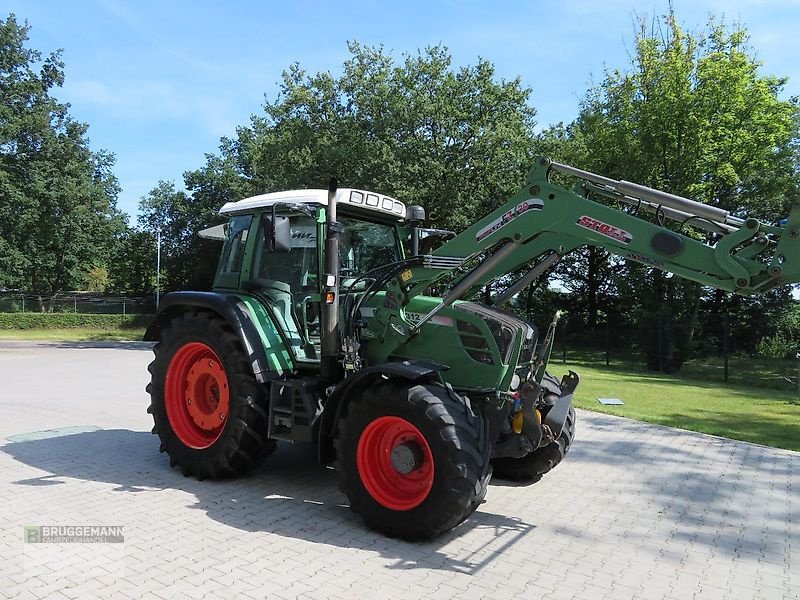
x=322, y=327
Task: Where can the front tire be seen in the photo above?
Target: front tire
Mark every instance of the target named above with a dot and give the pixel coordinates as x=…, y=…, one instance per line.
x=208, y=410
x=413, y=460
x=535, y=465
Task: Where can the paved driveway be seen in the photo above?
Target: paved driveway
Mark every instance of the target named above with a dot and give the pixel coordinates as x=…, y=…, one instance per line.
x=636, y=511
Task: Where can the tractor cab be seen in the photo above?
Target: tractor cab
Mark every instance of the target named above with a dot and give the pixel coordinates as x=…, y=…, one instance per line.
x=273, y=250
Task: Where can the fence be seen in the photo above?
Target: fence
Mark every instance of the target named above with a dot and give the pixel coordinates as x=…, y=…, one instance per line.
x=78, y=302
x=714, y=354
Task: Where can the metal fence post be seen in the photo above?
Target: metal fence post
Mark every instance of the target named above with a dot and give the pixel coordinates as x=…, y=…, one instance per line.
x=725, y=343
x=660, y=344
x=158, y=269
x=798, y=374
x=23, y=302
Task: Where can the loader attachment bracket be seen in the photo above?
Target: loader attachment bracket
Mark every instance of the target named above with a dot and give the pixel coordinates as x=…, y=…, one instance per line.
x=557, y=415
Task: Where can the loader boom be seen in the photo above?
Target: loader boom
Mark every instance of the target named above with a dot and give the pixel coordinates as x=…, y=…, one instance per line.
x=545, y=221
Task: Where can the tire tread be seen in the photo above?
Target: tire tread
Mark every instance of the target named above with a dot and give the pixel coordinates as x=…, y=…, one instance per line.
x=244, y=443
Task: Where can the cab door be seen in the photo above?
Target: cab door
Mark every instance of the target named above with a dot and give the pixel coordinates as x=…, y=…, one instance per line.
x=289, y=281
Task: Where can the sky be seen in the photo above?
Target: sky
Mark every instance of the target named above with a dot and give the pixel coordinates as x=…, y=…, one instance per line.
x=160, y=82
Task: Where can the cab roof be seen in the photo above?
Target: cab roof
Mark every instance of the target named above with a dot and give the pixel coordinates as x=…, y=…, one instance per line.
x=369, y=202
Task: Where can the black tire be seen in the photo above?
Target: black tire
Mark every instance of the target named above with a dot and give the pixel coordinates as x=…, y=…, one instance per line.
x=242, y=439
x=551, y=385
x=532, y=467
x=459, y=449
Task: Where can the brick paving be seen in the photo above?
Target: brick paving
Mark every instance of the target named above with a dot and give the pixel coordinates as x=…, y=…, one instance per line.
x=636, y=511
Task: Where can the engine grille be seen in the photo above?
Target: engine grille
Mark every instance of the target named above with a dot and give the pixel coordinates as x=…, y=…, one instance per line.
x=503, y=328
x=474, y=343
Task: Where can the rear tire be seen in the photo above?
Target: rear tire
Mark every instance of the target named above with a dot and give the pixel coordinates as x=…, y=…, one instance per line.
x=532, y=467
x=208, y=410
x=413, y=460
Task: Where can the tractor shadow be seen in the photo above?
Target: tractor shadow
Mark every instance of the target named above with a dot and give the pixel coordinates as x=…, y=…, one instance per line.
x=290, y=495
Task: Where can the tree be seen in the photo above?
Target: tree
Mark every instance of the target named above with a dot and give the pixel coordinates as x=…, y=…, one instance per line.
x=96, y=279
x=132, y=267
x=187, y=261
x=58, y=216
x=692, y=115
x=455, y=140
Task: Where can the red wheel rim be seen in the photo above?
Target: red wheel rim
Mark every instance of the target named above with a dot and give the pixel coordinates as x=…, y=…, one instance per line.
x=196, y=395
x=386, y=443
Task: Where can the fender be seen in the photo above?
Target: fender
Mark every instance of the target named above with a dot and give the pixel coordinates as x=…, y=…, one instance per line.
x=410, y=370
x=229, y=307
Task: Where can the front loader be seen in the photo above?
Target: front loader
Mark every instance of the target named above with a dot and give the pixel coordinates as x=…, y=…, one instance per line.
x=321, y=327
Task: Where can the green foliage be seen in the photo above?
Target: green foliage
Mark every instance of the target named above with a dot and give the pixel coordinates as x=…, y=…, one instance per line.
x=28, y=320
x=58, y=213
x=96, y=279
x=693, y=115
x=776, y=346
x=782, y=339
x=187, y=261
x=132, y=267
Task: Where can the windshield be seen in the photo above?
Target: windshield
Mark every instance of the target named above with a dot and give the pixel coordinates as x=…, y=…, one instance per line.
x=365, y=246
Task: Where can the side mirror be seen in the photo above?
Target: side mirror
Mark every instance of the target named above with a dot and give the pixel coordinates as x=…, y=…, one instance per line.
x=277, y=233
x=415, y=215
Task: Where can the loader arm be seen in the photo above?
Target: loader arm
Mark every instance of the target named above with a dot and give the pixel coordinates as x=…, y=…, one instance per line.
x=544, y=221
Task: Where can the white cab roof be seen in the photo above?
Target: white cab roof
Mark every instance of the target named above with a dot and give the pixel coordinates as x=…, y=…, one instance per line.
x=358, y=199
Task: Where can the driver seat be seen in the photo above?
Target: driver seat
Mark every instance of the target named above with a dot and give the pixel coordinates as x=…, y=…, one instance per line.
x=281, y=300
x=280, y=296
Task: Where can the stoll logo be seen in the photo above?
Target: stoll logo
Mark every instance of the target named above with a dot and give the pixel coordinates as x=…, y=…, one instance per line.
x=73, y=534
x=615, y=233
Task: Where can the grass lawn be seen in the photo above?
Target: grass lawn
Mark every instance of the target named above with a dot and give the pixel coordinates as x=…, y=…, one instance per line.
x=742, y=370
x=753, y=414
x=76, y=334
x=759, y=372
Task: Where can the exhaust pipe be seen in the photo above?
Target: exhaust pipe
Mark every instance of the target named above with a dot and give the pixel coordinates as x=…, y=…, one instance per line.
x=330, y=344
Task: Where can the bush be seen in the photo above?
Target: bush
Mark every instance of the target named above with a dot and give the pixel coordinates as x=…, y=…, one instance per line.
x=31, y=320
x=776, y=346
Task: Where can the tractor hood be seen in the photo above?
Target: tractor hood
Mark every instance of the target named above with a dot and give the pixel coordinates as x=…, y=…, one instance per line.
x=481, y=346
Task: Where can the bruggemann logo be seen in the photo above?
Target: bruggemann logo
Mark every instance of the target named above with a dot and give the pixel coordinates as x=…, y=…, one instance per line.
x=73, y=534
